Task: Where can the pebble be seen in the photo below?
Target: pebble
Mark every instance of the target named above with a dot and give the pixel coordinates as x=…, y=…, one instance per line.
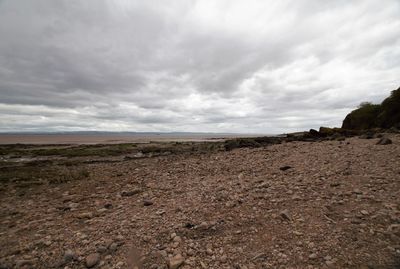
x=312, y=256
x=21, y=263
x=330, y=264
x=176, y=261
x=147, y=202
x=364, y=212
x=286, y=215
x=69, y=255
x=92, y=260
x=113, y=247
x=119, y=264
x=86, y=215
x=130, y=193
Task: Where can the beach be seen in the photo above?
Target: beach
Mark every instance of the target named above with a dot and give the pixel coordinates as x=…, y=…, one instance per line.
x=325, y=204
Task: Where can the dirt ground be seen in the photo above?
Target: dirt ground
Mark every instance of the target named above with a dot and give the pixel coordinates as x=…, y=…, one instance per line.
x=330, y=204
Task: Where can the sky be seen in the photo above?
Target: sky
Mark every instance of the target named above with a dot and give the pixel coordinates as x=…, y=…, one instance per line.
x=241, y=66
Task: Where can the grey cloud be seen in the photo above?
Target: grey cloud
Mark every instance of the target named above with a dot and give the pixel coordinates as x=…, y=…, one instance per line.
x=258, y=66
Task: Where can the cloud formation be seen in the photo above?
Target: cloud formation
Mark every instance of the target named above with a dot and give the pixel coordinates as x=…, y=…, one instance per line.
x=216, y=66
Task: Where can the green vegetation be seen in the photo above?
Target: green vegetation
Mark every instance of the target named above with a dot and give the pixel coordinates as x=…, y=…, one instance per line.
x=368, y=116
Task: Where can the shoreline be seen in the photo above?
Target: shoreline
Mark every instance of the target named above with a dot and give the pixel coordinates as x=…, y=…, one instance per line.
x=92, y=139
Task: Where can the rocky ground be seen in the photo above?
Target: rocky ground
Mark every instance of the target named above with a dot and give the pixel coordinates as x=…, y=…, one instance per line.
x=330, y=204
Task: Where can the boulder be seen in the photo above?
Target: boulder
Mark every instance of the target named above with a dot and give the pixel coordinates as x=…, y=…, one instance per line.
x=326, y=131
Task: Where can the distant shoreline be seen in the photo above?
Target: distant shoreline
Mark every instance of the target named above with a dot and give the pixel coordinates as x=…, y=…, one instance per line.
x=113, y=138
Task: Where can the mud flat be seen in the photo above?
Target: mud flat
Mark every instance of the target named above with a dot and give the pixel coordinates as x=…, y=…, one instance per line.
x=326, y=204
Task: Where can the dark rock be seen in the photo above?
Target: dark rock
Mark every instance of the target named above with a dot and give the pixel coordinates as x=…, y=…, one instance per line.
x=378, y=135
x=108, y=206
x=4, y=266
x=147, y=202
x=285, y=215
x=284, y=168
x=367, y=116
x=69, y=255
x=384, y=141
x=314, y=133
x=368, y=135
x=325, y=131
x=189, y=225
x=113, y=247
x=341, y=138
x=130, y=193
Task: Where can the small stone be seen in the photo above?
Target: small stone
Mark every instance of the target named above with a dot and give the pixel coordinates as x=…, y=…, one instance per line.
x=176, y=261
x=357, y=191
x=69, y=255
x=330, y=264
x=160, y=212
x=177, y=239
x=286, y=215
x=384, y=141
x=312, y=256
x=130, y=193
x=364, y=212
x=102, y=210
x=22, y=263
x=296, y=197
x=147, y=202
x=202, y=226
x=120, y=237
x=113, y=247
x=284, y=168
x=87, y=215
x=223, y=258
x=209, y=251
x=101, y=249
x=73, y=205
x=92, y=260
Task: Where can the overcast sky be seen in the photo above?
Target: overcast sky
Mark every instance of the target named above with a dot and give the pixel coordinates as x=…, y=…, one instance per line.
x=205, y=66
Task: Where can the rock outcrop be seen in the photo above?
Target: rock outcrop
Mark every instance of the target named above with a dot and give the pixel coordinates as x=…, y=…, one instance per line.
x=368, y=116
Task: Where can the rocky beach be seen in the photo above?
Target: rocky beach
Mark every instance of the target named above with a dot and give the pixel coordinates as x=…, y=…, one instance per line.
x=322, y=204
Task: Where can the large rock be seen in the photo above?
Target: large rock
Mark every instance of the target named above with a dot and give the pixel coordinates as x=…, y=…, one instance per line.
x=314, y=133
x=368, y=116
x=325, y=131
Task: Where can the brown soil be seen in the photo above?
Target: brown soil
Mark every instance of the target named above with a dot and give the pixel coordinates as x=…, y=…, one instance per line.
x=335, y=205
